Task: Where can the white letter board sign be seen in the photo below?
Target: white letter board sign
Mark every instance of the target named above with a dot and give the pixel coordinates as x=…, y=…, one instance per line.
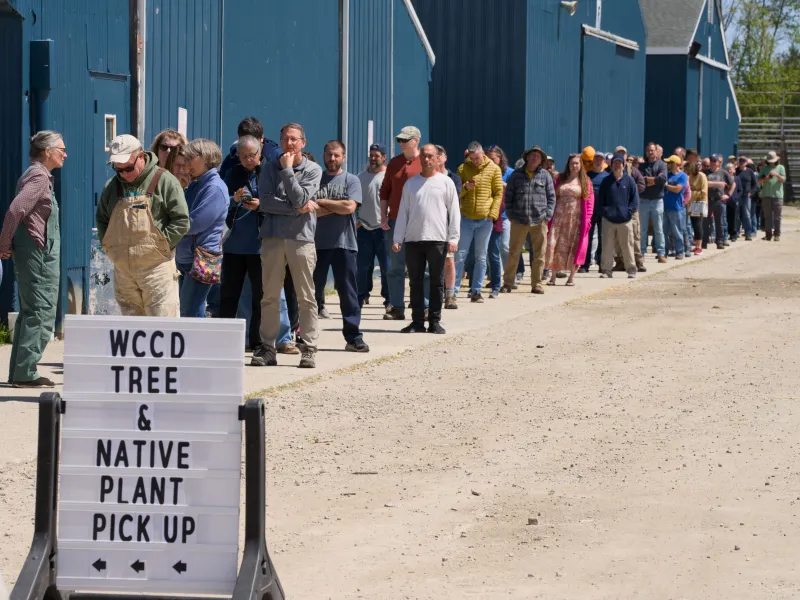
x=150, y=455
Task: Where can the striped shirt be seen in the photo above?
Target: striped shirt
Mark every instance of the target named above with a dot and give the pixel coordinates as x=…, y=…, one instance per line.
x=31, y=207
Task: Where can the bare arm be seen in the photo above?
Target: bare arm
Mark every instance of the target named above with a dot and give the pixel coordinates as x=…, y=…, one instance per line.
x=336, y=207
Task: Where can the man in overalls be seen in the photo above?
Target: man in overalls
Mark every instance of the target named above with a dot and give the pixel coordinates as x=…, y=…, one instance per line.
x=141, y=217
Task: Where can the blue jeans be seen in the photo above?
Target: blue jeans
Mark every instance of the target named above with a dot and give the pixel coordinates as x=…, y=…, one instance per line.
x=371, y=245
x=213, y=299
x=652, y=209
x=744, y=215
x=674, y=223
x=192, y=293
x=480, y=230
x=688, y=231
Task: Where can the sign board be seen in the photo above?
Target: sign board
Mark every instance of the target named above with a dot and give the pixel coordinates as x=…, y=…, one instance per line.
x=183, y=121
x=150, y=455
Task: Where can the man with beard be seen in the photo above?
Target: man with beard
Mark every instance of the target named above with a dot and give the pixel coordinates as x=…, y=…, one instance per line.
x=371, y=241
x=338, y=198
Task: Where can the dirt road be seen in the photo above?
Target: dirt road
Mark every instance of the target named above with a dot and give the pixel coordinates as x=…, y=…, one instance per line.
x=639, y=443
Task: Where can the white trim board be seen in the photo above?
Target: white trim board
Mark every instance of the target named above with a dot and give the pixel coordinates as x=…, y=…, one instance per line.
x=733, y=95
x=420, y=32
x=713, y=63
x=610, y=37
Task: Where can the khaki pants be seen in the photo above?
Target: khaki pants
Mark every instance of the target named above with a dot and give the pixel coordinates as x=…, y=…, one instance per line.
x=637, y=242
x=150, y=290
x=301, y=257
x=539, y=244
x=614, y=233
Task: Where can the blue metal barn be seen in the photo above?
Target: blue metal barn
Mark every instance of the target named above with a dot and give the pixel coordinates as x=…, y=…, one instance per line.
x=524, y=72
x=690, y=97
x=351, y=69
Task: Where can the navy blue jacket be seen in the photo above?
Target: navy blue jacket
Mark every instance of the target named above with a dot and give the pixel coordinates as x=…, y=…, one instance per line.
x=232, y=159
x=619, y=198
x=657, y=169
x=243, y=223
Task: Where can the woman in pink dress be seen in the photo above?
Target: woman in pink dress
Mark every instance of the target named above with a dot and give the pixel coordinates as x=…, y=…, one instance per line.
x=568, y=239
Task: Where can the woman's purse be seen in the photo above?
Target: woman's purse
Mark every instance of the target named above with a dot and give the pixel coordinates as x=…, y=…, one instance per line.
x=206, y=266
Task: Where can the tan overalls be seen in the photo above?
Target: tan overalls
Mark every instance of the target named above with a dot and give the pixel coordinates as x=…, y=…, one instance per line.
x=145, y=277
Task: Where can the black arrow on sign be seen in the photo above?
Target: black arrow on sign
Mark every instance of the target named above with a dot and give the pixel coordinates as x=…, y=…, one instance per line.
x=138, y=566
x=180, y=566
x=99, y=564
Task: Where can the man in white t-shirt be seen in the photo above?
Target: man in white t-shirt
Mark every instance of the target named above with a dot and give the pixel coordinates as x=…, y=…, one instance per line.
x=428, y=224
x=371, y=240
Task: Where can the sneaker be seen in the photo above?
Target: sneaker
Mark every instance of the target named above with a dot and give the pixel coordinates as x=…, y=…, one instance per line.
x=777, y=238
x=40, y=382
x=662, y=260
x=494, y=294
x=394, y=315
x=748, y=238
x=413, y=328
x=515, y=285
x=538, y=289
x=477, y=298
x=583, y=270
x=606, y=275
x=323, y=313
x=307, y=359
x=632, y=275
x=450, y=303
x=387, y=308
x=357, y=346
x=288, y=348
x=436, y=328
x=720, y=246
x=505, y=290
x=264, y=356
x=767, y=238
x=733, y=239
x=679, y=257
x=641, y=268
x=726, y=243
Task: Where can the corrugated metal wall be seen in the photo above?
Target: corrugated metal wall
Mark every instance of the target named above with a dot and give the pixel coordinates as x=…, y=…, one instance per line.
x=370, y=78
x=412, y=78
x=478, y=83
x=553, y=77
x=183, y=66
x=613, y=96
x=90, y=42
x=714, y=30
x=720, y=121
x=281, y=64
x=11, y=102
x=665, y=102
x=692, y=103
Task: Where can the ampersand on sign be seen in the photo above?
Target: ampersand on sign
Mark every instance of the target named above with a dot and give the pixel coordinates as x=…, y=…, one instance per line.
x=144, y=423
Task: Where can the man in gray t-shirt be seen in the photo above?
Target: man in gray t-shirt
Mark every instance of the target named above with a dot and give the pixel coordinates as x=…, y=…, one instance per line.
x=371, y=241
x=338, y=198
x=720, y=187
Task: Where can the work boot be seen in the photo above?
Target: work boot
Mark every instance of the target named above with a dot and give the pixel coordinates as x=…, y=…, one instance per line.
x=477, y=298
x=264, y=356
x=505, y=290
x=288, y=348
x=307, y=359
x=538, y=289
x=641, y=268
x=40, y=382
x=414, y=328
x=450, y=303
x=358, y=345
x=618, y=265
x=394, y=315
x=436, y=328
x=662, y=260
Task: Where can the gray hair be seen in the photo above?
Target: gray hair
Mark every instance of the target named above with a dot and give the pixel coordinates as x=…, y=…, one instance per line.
x=42, y=141
x=247, y=140
x=730, y=165
x=205, y=149
x=474, y=147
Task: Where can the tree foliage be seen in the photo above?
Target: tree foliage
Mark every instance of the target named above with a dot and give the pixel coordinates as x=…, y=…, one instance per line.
x=765, y=50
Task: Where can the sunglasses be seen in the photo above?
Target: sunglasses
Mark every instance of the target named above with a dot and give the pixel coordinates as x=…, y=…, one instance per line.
x=167, y=147
x=400, y=141
x=129, y=169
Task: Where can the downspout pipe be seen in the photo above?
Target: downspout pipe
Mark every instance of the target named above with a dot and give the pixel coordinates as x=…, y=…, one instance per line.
x=138, y=11
x=345, y=106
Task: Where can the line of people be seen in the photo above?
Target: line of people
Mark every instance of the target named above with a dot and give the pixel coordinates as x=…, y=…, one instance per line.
x=264, y=225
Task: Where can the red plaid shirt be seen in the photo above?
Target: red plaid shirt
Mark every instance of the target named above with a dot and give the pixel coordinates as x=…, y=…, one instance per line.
x=31, y=207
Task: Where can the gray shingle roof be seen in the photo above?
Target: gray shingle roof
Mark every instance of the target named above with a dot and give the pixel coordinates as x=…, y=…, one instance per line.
x=671, y=23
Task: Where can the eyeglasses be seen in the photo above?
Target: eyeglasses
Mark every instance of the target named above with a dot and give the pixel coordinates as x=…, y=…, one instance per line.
x=59, y=149
x=167, y=147
x=291, y=140
x=126, y=170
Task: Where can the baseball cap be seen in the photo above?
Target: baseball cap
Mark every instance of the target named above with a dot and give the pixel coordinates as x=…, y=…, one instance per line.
x=674, y=159
x=550, y=158
x=122, y=147
x=716, y=157
x=409, y=132
x=610, y=157
x=620, y=150
x=379, y=147
x=618, y=157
